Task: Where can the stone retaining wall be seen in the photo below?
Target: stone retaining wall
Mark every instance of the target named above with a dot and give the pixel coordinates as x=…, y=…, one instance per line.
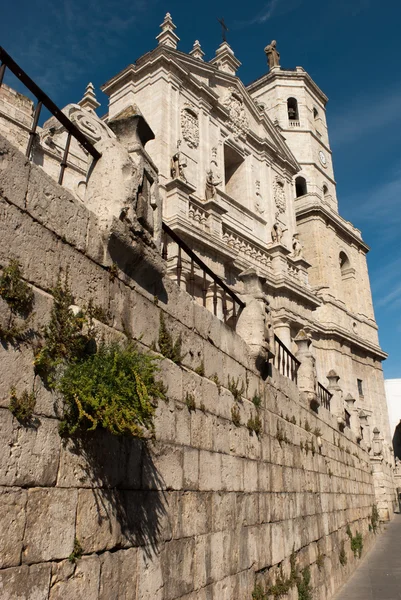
x=204, y=511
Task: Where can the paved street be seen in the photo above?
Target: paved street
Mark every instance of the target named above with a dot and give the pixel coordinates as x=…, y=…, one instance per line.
x=379, y=575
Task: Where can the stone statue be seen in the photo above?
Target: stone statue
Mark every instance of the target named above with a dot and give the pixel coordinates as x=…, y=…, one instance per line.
x=211, y=184
x=273, y=55
x=296, y=246
x=277, y=233
x=177, y=166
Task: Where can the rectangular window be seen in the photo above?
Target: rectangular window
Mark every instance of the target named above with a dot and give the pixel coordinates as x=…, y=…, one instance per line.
x=360, y=388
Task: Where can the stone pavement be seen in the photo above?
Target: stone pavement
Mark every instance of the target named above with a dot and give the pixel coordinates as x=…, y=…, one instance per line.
x=379, y=575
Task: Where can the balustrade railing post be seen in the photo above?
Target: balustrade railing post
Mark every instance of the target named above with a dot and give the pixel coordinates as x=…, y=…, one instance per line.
x=32, y=132
x=204, y=288
x=179, y=266
x=215, y=299
x=192, y=279
x=2, y=72
x=63, y=163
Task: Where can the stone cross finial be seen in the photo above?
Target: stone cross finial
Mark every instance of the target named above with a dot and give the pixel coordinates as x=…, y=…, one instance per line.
x=89, y=98
x=167, y=37
x=197, y=51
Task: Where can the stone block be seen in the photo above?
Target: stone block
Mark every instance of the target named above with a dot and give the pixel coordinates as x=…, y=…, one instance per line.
x=278, y=543
x=81, y=584
x=164, y=421
x=195, y=514
x=247, y=509
x=171, y=376
x=182, y=425
x=16, y=369
x=209, y=471
x=202, y=429
x=30, y=455
x=191, y=469
x=150, y=580
x=232, y=473
x=223, y=509
x=14, y=173
x=177, y=568
x=118, y=575
x=167, y=465
x=55, y=208
x=50, y=524
x=202, y=561
x=180, y=304
x=12, y=521
x=98, y=526
x=25, y=583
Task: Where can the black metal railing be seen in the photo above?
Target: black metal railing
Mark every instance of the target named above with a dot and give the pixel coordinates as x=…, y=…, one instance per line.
x=324, y=396
x=284, y=360
x=226, y=292
x=347, y=418
x=44, y=100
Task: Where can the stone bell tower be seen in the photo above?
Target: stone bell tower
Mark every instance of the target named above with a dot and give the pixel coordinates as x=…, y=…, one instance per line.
x=297, y=106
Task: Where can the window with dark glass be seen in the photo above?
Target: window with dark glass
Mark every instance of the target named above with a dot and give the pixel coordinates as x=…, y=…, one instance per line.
x=360, y=388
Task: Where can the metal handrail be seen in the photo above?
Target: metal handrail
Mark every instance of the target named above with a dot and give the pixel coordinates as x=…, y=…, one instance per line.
x=44, y=100
x=324, y=395
x=182, y=246
x=285, y=362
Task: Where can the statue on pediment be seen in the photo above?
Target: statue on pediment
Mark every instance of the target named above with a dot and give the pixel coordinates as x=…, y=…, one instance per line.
x=277, y=233
x=273, y=55
x=296, y=246
x=211, y=184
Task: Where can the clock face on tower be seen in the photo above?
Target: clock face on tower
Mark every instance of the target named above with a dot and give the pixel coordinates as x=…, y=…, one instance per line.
x=322, y=158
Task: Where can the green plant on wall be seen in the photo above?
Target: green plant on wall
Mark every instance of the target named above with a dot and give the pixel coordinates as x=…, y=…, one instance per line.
x=168, y=347
x=356, y=542
x=114, y=389
x=236, y=387
x=374, y=518
x=19, y=298
x=343, y=556
x=235, y=416
x=22, y=406
x=63, y=339
x=255, y=425
x=76, y=553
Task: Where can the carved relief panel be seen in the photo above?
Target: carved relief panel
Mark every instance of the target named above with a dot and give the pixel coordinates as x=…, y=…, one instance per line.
x=235, y=105
x=190, y=126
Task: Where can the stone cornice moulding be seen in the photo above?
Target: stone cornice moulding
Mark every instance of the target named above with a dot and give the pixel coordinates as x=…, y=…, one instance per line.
x=298, y=74
x=311, y=208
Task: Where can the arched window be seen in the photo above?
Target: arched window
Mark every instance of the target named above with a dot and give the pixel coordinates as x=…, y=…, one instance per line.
x=300, y=187
x=325, y=190
x=292, y=109
x=344, y=263
x=315, y=113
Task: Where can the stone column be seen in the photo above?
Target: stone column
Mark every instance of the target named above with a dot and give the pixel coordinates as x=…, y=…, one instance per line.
x=307, y=376
x=353, y=411
x=254, y=325
x=337, y=403
x=282, y=329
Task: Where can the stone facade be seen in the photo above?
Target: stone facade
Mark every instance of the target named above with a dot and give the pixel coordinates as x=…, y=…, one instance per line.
x=208, y=509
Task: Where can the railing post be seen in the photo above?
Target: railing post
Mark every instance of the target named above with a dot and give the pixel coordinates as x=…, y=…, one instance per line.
x=307, y=376
x=33, y=128
x=63, y=163
x=2, y=72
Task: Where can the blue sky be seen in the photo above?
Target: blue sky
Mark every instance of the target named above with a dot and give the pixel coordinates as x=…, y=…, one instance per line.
x=351, y=48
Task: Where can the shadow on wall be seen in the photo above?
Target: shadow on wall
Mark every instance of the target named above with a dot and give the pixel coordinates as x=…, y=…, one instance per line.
x=397, y=441
x=138, y=261
x=127, y=487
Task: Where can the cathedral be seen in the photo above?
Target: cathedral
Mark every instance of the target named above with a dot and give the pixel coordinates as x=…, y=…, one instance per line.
x=246, y=178
x=244, y=175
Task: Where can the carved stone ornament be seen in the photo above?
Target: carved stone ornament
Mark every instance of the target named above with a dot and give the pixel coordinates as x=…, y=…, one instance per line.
x=279, y=194
x=89, y=124
x=190, y=126
x=235, y=105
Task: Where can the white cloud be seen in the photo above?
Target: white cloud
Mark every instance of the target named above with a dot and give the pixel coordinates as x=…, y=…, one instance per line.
x=270, y=9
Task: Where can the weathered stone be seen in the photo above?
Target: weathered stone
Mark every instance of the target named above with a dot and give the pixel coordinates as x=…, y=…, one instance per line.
x=14, y=174
x=25, y=583
x=30, y=454
x=12, y=521
x=50, y=524
x=177, y=568
x=118, y=575
x=97, y=522
x=81, y=584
